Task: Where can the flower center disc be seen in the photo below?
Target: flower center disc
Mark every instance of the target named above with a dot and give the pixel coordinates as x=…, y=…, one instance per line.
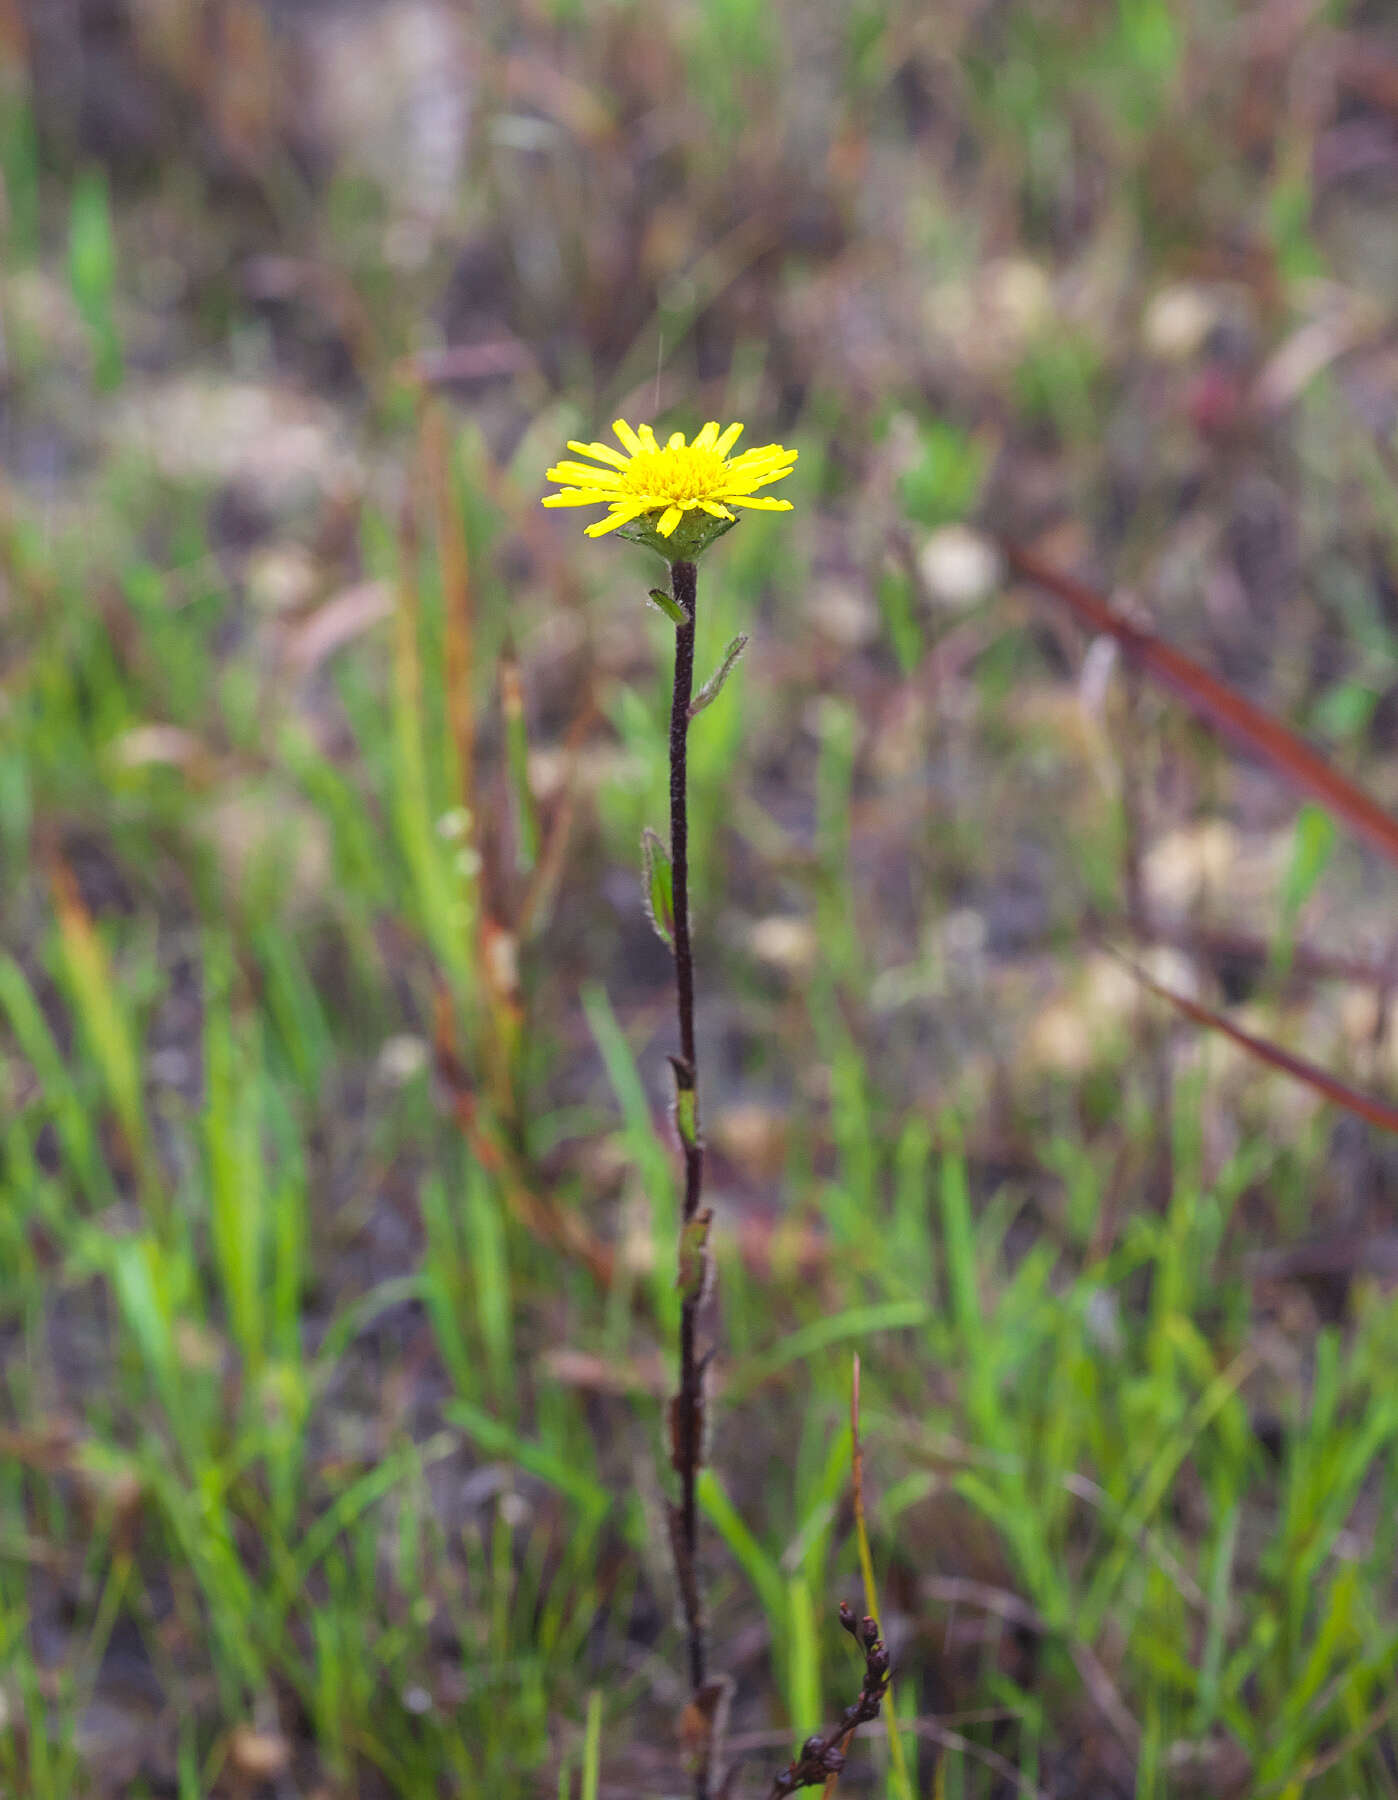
x=676, y=474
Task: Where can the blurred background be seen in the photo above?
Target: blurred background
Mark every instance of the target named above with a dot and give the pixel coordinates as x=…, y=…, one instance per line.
x=337, y=1209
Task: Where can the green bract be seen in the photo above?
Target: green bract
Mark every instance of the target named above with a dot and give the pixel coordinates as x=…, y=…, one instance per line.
x=686, y=543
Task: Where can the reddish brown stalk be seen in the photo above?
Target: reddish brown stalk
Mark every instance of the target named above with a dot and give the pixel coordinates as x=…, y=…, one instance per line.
x=687, y=1408
x=1220, y=706
x=1329, y=1087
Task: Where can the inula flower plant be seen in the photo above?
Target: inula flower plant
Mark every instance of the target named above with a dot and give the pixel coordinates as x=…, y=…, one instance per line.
x=678, y=499
x=658, y=491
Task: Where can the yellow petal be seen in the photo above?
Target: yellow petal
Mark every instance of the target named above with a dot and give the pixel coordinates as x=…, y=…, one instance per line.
x=580, y=474
x=669, y=519
x=728, y=439
x=708, y=437
x=577, y=497
x=713, y=507
x=626, y=435
x=770, y=457
x=676, y=441
x=623, y=515
x=602, y=452
x=647, y=437
x=761, y=503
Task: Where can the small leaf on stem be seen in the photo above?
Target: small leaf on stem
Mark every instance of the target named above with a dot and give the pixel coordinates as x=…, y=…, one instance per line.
x=671, y=607
x=658, y=887
x=686, y=1101
x=713, y=687
x=694, y=1256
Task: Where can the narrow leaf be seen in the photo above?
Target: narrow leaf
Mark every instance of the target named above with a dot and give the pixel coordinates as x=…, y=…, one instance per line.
x=101, y=1009
x=658, y=890
x=1315, y=840
x=713, y=687
x=592, y=1746
x=438, y=465
x=1221, y=706
x=898, y=1771
x=671, y=607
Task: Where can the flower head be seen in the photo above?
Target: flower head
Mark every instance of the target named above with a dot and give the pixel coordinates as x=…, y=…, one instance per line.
x=663, y=484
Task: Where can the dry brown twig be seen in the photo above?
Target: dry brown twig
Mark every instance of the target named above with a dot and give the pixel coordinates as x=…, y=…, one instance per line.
x=821, y=1757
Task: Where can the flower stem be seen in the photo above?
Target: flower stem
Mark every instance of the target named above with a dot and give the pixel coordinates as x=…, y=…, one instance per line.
x=687, y=1416
x=684, y=582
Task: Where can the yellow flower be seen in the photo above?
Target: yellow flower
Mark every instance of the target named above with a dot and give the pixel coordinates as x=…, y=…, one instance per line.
x=672, y=481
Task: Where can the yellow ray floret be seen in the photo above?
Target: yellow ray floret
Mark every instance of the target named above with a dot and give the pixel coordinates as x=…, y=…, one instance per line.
x=672, y=479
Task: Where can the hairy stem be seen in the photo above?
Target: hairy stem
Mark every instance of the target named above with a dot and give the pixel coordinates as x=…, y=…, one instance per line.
x=684, y=584
x=687, y=1418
